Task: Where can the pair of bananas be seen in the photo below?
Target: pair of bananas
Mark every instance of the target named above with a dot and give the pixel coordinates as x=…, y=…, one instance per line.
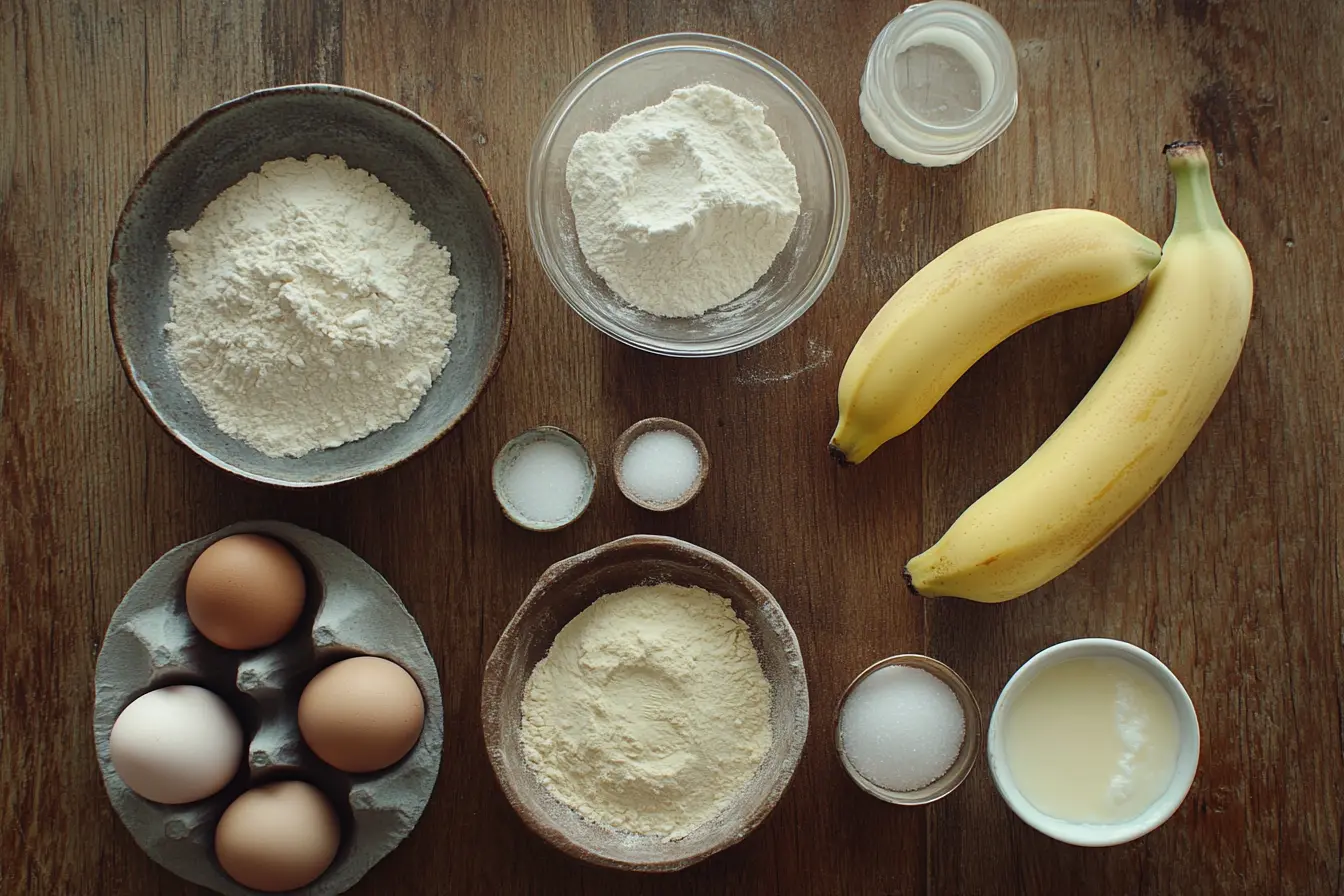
x=1131, y=428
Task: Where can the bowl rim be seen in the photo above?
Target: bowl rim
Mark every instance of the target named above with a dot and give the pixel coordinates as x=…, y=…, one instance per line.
x=492, y=682
x=807, y=101
x=1082, y=833
x=115, y=299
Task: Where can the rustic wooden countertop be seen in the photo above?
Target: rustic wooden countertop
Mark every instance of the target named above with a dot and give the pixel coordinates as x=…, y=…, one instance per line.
x=1231, y=573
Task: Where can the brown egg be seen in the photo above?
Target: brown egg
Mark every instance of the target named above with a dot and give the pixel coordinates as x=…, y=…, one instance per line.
x=245, y=592
x=278, y=837
x=361, y=714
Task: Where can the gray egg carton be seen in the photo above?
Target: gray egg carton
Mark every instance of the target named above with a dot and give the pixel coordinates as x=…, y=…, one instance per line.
x=350, y=610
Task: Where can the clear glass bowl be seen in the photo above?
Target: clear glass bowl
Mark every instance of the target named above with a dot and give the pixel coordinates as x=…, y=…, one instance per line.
x=956, y=773
x=642, y=74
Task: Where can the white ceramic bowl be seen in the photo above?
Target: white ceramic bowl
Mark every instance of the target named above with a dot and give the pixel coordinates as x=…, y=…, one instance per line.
x=1078, y=834
x=646, y=72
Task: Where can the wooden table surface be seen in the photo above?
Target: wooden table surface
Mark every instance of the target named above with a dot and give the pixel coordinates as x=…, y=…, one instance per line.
x=1231, y=573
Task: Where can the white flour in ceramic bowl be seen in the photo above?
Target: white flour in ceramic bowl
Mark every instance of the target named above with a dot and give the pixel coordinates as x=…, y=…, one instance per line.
x=309, y=308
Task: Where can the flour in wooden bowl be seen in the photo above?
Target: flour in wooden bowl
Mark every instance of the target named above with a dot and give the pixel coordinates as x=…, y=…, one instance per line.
x=650, y=713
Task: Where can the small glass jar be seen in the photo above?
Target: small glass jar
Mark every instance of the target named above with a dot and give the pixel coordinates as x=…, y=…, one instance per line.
x=956, y=773
x=940, y=83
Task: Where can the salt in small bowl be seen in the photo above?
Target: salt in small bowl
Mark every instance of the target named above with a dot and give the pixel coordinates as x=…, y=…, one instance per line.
x=970, y=744
x=659, y=424
x=509, y=453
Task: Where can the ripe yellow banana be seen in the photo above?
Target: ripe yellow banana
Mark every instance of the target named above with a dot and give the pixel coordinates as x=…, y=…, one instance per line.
x=1130, y=429
x=968, y=300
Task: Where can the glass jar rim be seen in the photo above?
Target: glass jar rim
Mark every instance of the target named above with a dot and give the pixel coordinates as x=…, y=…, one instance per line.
x=997, y=110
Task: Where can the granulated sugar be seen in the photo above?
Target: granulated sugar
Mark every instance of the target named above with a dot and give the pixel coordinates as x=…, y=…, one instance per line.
x=660, y=466
x=902, y=728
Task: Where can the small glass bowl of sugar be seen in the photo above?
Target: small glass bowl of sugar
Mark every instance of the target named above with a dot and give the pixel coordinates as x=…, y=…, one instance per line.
x=908, y=730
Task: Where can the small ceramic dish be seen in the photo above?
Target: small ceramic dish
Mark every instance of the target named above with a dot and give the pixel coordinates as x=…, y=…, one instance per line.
x=509, y=454
x=350, y=611
x=391, y=142
x=1079, y=834
x=561, y=593
x=970, y=745
x=659, y=424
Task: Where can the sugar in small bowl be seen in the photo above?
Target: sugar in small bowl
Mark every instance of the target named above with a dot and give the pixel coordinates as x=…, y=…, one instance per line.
x=660, y=463
x=908, y=730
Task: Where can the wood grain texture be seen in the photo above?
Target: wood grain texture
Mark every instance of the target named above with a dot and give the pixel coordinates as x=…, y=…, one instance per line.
x=1232, y=573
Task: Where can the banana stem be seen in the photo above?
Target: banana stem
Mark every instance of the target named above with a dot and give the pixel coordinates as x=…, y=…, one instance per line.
x=1196, y=207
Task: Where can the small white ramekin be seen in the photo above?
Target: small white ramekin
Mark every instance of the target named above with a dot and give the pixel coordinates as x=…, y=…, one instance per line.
x=1080, y=834
x=510, y=451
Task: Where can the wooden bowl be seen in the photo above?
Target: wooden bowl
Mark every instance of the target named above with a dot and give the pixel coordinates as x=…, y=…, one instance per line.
x=659, y=424
x=561, y=593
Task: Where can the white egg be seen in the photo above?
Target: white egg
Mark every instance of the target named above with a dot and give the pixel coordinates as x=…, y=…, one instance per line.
x=177, y=744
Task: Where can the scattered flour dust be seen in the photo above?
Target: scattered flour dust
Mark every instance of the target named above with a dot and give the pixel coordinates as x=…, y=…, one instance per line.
x=650, y=712
x=681, y=207
x=817, y=355
x=309, y=308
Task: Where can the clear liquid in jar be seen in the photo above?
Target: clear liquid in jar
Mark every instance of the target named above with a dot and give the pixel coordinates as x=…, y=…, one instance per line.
x=937, y=84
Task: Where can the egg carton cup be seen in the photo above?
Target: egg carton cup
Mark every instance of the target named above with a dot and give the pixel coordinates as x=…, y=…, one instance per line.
x=349, y=610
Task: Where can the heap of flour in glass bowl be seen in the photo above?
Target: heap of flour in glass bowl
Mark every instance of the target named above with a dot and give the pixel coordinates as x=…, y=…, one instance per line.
x=683, y=206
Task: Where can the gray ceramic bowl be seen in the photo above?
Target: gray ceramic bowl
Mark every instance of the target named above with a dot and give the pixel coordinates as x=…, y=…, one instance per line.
x=217, y=150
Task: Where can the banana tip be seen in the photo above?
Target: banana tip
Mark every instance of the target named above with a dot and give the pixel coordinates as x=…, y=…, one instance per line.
x=839, y=456
x=910, y=583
